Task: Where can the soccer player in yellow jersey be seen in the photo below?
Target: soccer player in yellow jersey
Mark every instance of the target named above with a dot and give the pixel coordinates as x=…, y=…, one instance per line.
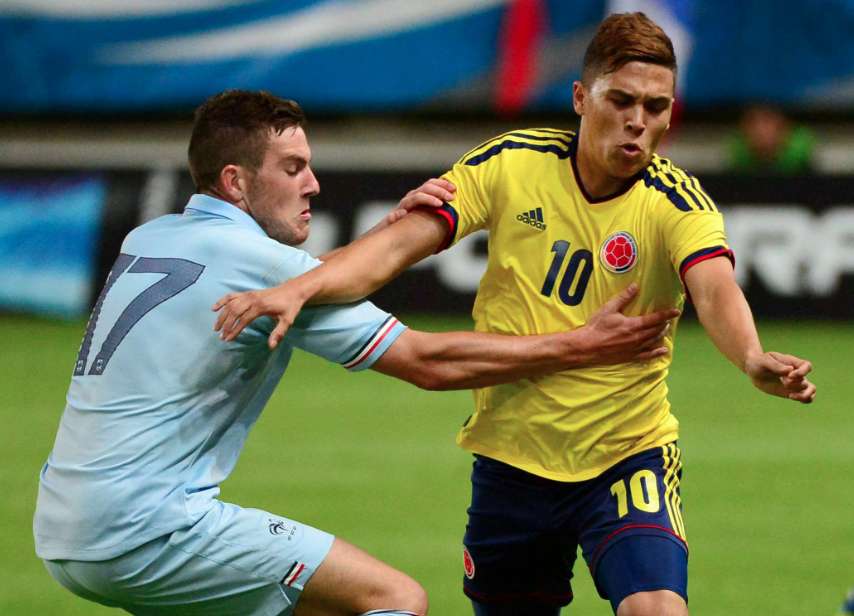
x=586, y=456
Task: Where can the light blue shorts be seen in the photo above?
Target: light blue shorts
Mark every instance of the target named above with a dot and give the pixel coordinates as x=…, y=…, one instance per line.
x=232, y=561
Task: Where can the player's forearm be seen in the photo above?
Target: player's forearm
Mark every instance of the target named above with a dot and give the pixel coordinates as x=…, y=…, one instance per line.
x=355, y=271
x=465, y=360
x=724, y=313
x=726, y=317
x=329, y=255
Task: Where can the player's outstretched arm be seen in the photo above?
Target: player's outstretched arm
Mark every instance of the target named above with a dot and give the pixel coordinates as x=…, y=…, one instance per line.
x=463, y=360
x=434, y=193
x=355, y=271
x=351, y=273
x=727, y=319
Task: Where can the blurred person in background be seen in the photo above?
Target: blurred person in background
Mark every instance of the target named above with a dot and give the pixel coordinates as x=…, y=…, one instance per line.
x=587, y=457
x=768, y=142
x=159, y=408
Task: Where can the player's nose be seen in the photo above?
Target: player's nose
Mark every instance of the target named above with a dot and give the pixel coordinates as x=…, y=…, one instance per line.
x=312, y=186
x=636, y=120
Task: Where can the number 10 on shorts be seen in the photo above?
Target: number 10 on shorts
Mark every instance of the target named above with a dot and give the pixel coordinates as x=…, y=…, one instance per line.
x=643, y=489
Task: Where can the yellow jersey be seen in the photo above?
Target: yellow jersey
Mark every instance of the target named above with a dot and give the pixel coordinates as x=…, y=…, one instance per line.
x=555, y=256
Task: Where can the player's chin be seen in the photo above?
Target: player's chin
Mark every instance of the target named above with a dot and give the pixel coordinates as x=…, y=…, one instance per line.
x=300, y=237
x=626, y=169
x=291, y=235
x=300, y=229
x=640, y=165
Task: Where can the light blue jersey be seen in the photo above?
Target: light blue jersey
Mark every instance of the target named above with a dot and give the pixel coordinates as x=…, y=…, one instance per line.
x=159, y=407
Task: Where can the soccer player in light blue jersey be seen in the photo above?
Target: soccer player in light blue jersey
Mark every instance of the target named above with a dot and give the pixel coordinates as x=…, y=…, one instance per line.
x=159, y=406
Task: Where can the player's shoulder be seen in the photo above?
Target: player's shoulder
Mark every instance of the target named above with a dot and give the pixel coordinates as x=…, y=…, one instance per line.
x=212, y=239
x=674, y=189
x=245, y=255
x=248, y=249
x=537, y=141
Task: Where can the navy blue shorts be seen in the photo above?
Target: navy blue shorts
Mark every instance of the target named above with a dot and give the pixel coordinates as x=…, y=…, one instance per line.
x=524, y=531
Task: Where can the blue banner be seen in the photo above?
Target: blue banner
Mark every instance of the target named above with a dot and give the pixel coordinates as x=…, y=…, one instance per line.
x=400, y=55
x=49, y=236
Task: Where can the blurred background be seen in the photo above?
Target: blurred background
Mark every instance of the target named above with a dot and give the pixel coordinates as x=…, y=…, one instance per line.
x=96, y=110
x=95, y=115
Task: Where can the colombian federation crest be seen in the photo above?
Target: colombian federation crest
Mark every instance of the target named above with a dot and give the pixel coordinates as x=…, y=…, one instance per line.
x=619, y=252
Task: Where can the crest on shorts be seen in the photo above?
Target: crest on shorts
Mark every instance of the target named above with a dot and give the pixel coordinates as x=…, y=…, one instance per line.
x=277, y=527
x=468, y=563
x=619, y=252
x=284, y=528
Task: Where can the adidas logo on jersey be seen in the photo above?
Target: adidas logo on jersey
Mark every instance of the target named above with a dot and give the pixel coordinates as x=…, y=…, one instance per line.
x=533, y=218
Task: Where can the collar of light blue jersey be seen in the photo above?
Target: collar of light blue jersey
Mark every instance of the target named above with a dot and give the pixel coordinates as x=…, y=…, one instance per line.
x=218, y=207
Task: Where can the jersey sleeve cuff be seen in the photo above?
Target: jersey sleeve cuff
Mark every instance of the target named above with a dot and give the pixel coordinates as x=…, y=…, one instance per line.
x=703, y=255
x=447, y=213
x=376, y=345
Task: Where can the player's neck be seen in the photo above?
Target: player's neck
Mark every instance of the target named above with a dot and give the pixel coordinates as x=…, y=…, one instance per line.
x=218, y=194
x=595, y=181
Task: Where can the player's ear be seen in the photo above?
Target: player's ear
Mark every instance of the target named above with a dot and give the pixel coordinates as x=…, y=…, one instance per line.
x=578, y=95
x=232, y=183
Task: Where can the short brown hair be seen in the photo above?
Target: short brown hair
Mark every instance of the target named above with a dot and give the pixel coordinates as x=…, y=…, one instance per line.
x=233, y=128
x=626, y=37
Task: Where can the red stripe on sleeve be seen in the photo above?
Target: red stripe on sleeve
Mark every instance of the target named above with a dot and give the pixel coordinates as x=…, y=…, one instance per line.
x=723, y=252
x=449, y=236
x=376, y=343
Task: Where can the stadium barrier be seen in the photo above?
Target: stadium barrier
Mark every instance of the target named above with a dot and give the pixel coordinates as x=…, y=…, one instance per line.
x=793, y=237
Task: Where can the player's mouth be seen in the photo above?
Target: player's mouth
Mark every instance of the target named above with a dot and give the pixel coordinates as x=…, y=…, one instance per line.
x=305, y=215
x=631, y=150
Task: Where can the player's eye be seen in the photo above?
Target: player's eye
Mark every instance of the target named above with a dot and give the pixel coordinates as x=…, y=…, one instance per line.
x=293, y=168
x=656, y=106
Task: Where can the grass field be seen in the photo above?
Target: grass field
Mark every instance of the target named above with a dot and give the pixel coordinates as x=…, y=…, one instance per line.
x=769, y=502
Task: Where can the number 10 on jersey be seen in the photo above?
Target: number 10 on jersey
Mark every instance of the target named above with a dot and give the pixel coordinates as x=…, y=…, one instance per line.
x=574, y=281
